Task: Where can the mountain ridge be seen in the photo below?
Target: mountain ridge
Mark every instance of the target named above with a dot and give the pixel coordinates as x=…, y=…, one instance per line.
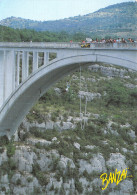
x=113, y=20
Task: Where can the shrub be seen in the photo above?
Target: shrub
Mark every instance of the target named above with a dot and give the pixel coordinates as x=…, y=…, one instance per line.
x=29, y=179
x=43, y=180
x=87, y=175
x=37, y=190
x=12, y=164
x=1, y=150
x=51, y=188
x=78, y=186
x=3, y=189
x=117, y=94
x=10, y=149
x=56, y=190
x=36, y=168
x=62, y=191
x=8, y=166
x=58, y=175
x=18, y=182
x=4, y=140
x=103, y=119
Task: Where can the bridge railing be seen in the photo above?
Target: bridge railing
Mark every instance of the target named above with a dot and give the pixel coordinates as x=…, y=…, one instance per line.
x=39, y=45
x=74, y=45
x=113, y=45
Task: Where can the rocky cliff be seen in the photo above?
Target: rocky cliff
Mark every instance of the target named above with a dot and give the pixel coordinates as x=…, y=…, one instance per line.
x=58, y=150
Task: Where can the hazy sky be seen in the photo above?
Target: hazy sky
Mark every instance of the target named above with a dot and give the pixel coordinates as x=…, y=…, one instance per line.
x=51, y=9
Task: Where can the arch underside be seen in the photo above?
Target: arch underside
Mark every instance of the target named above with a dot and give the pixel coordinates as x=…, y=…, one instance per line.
x=21, y=101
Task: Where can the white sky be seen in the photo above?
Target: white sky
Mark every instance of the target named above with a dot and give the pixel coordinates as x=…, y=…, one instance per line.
x=51, y=9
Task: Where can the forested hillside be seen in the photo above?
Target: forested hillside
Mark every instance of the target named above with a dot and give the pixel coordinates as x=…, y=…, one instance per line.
x=17, y=35
x=115, y=20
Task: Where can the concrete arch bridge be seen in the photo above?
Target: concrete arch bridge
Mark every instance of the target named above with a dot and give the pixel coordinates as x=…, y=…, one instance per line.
x=23, y=82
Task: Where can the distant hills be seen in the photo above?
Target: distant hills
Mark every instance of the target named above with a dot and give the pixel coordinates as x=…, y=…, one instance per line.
x=115, y=20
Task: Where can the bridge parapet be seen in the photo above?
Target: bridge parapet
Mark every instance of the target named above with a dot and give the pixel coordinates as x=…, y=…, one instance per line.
x=42, y=45
x=113, y=46
x=55, y=45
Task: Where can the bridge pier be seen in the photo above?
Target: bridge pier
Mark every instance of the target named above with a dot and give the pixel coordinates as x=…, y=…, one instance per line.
x=9, y=71
x=18, y=69
x=2, y=59
x=7, y=74
x=46, y=58
x=25, y=65
x=35, y=61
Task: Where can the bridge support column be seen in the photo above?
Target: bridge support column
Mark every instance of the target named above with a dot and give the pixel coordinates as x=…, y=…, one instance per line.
x=2, y=59
x=9, y=72
x=46, y=58
x=18, y=69
x=25, y=65
x=35, y=61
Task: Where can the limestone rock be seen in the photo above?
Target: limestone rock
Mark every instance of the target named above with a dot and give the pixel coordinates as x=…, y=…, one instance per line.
x=135, y=146
x=117, y=161
x=108, y=71
x=96, y=164
x=57, y=91
x=19, y=190
x=132, y=134
x=3, y=157
x=97, y=182
x=88, y=95
x=77, y=145
x=124, y=150
x=24, y=158
x=131, y=86
x=64, y=126
x=90, y=147
x=45, y=160
x=54, y=139
x=92, y=80
x=49, y=124
x=86, y=185
x=127, y=185
x=4, y=179
x=64, y=161
x=42, y=142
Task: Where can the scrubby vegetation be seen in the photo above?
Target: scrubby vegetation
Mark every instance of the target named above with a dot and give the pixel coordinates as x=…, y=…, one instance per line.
x=117, y=105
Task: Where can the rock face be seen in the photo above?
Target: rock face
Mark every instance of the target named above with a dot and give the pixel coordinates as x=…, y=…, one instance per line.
x=88, y=95
x=3, y=157
x=97, y=164
x=132, y=134
x=49, y=165
x=50, y=125
x=108, y=71
x=68, y=163
x=117, y=160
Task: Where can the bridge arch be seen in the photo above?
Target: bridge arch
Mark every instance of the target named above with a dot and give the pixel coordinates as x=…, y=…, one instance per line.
x=23, y=98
